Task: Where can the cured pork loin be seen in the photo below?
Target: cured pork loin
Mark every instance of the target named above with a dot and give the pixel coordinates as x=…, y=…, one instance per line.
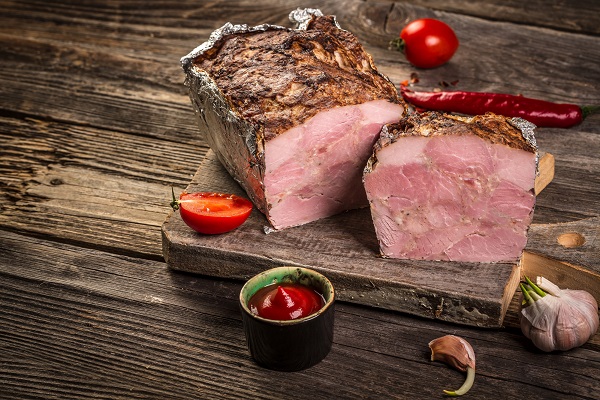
x=292, y=114
x=451, y=188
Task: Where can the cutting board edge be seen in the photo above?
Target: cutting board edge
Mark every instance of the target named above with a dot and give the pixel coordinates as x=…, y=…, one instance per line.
x=352, y=288
x=432, y=303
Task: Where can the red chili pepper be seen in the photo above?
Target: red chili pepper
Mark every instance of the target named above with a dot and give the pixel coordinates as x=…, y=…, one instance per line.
x=539, y=112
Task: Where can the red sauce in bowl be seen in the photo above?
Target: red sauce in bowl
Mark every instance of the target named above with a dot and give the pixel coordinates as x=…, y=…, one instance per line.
x=285, y=301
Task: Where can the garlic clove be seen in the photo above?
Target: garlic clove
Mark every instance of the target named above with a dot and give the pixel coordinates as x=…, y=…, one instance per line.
x=542, y=313
x=458, y=353
x=543, y=340
x=575, y=322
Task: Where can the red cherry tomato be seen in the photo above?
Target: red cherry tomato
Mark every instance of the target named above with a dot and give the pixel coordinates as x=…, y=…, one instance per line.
x=428, y=43
x=213, y=213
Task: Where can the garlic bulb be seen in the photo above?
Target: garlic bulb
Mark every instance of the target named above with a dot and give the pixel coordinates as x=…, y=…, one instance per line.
x=556, y=319
x=458, y=353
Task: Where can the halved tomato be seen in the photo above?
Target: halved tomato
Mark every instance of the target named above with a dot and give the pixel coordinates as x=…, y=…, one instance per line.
x=212, y=213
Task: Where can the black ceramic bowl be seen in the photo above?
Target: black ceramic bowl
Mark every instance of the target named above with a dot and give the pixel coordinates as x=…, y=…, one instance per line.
x=290, y=345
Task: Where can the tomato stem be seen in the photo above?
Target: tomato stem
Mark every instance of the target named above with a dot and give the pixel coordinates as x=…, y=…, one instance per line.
x=174, y=202
x=397, y=44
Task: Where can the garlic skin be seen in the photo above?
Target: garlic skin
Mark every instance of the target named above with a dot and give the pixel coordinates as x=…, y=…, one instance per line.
x=561, y=320
x=458, y=353
x=454, y=351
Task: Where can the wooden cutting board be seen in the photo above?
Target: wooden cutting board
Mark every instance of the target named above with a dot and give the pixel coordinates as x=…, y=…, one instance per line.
x=345, y=249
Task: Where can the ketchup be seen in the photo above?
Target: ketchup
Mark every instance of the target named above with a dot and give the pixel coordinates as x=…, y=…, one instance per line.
x=285, y=301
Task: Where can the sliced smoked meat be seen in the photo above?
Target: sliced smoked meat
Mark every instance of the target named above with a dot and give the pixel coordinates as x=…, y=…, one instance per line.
x=292, y=114
x=443, y=187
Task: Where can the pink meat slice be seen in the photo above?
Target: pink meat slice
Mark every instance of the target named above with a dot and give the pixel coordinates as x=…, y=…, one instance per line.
x=451, y=197
x=314, y=170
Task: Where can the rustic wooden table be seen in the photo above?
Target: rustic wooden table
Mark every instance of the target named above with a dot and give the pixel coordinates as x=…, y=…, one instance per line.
x=96, y=127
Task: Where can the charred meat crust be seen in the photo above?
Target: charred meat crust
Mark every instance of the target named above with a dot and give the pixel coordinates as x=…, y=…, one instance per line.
x=491, y=127
x=279, y=78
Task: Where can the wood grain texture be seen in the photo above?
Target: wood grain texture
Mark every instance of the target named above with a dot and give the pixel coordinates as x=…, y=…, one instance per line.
x=492, y=57
x=545, y=240
x=545, y=172
x=82, y=85
x=81, y=323
x=345, y=249
x=573, y=14
x=96, y=126
x=77, y=183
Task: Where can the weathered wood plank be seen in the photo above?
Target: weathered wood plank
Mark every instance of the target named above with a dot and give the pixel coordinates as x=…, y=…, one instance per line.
x=122, y=67
x=92, y=209
x=545, y=69
x=95, y=88
x=580, y=16
x=101, y=82
x=88, y=324
x=576, y=16
x=31, y=142
x=545, y=175
x=345, y=248
x=94, y=72
x=576, y=179
x=77, y=183
x=493, y=56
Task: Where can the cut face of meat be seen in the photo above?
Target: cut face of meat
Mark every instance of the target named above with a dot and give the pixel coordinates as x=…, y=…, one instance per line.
x=292, y=114
x=315, y=170
x=446, y=188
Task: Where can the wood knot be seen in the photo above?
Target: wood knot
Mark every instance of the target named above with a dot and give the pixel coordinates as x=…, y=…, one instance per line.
x=571, y=239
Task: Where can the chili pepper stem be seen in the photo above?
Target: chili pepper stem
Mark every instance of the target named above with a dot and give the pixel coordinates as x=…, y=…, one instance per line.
x=589, y=110
x=466, y=386
x=397, y=44
x=174, y=203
